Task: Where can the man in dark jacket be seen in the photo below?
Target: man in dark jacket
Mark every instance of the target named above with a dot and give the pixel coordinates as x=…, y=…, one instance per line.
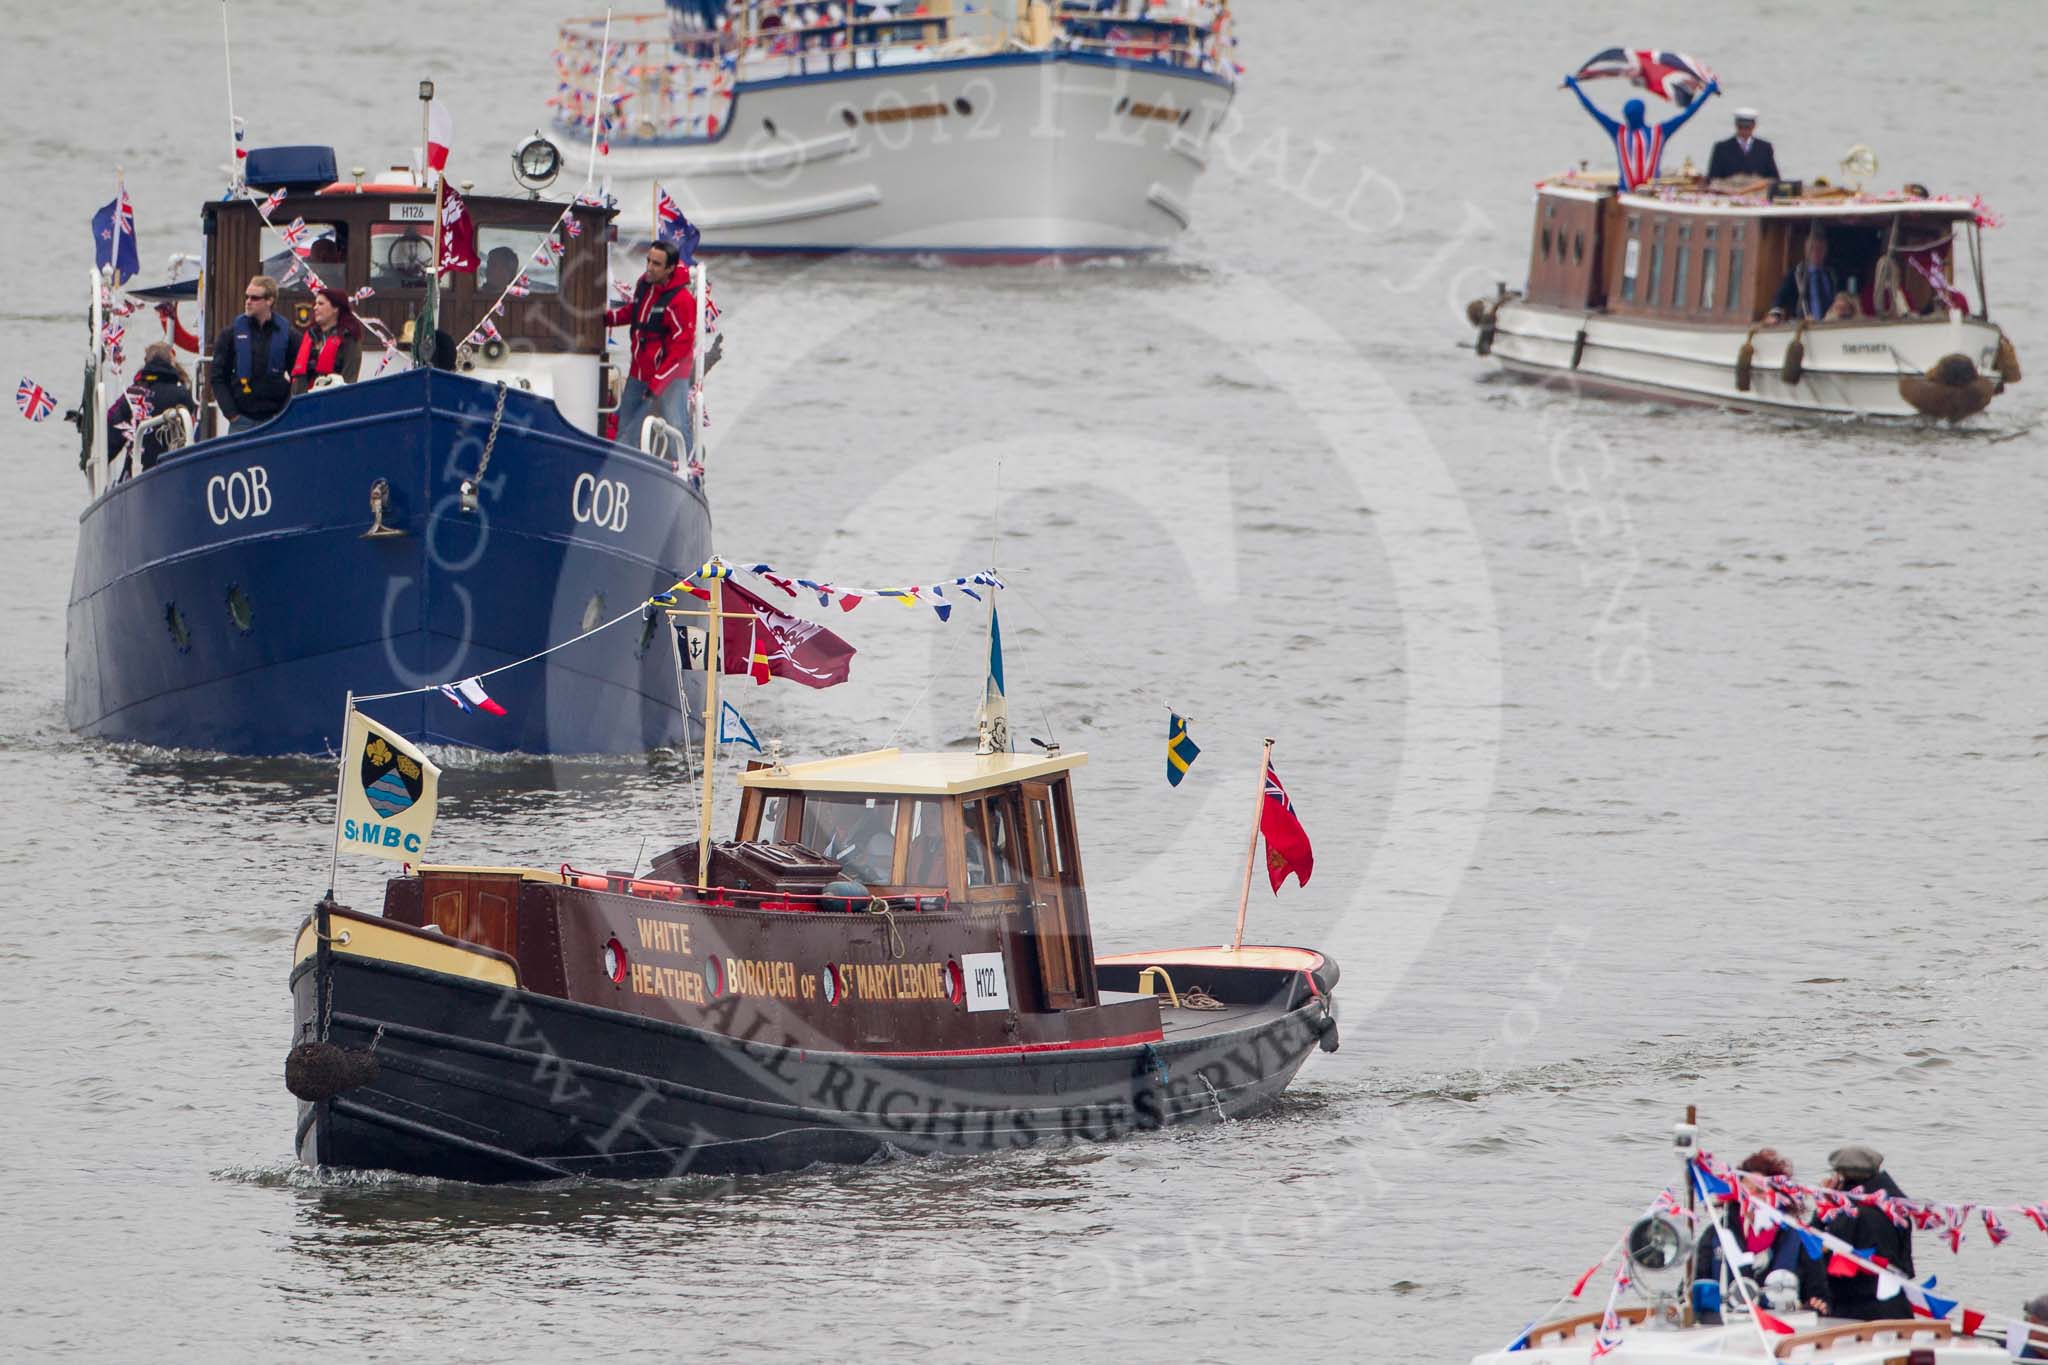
x=252, y=357
x=1869, y=1229
x=161, y=386
x=1812, y=289
x=1743, y=154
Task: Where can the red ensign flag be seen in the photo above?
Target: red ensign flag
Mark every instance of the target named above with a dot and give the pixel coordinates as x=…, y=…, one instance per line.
x=1287, y=847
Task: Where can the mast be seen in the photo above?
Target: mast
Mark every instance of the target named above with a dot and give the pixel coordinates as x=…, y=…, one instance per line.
x=604, y=51
x=712, y=664
x=1251, y=856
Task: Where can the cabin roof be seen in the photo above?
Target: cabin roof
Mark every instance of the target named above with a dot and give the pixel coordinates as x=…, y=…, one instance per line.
x=893, y=771
x=1587, y=188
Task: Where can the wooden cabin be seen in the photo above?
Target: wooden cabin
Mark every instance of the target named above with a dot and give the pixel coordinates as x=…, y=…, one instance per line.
x=380, y=234
x=988, y=833
x=1706, y=260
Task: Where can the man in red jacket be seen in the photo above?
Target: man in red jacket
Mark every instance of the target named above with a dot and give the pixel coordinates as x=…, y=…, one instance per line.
x=663, y=318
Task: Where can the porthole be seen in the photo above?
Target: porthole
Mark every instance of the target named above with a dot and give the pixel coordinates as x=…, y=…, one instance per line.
x=1182, y=121
x=768, y=126
x=829, y=981
x=174, y=621
x=1578, y=248
x=615, y=961
x=1123, y=104
x=956, y=983
x=714, y=977
x=848, y=117
x=1546, y=244
x=593, y=612
x=239, y=610
x=963, y=108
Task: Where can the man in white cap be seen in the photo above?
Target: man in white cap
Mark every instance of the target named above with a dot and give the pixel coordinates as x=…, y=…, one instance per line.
x=1743, y=154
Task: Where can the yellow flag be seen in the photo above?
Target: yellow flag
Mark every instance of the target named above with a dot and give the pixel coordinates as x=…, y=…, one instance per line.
x=388, y=790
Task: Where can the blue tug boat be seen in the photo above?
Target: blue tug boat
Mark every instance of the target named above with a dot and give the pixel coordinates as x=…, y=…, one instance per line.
x=417, y=527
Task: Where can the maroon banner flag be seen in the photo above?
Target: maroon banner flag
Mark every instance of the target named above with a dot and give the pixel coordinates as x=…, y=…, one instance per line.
x=458, y=235
x=767, y=642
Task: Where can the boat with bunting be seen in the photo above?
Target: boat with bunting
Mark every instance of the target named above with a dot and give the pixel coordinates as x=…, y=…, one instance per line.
x=894, y=951
x=1668, y=292
x=422, y=525
x=1680, y=1286
x=999, y=130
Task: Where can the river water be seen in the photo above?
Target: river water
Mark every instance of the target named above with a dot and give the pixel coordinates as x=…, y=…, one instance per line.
x=1652, y=757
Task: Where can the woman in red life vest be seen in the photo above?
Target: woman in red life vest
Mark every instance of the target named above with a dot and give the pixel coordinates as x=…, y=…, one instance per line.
x=663, y=318
x=332, y=345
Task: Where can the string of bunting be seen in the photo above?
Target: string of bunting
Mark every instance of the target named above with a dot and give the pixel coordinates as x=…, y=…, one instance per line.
x=1716, y=1182
x=1952, y=1220
x=928, y=594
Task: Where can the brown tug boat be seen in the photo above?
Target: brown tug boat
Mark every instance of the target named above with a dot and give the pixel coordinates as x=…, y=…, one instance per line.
x=895, y=951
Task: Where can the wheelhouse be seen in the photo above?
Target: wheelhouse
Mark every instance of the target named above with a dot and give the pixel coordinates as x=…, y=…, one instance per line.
x=990, y=834
x=379, y=235
x=1709, y=260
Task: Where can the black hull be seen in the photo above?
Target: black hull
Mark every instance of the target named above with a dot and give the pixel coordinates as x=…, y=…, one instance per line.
x=482, y=1083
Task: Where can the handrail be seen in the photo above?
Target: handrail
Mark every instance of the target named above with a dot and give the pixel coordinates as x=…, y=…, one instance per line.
x=659, y=888
x=664, y=441
x=1903, y=1329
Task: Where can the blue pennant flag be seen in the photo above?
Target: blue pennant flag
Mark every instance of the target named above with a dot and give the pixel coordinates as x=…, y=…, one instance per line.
x=1811, y=1240
x=1181, y=751
x=733, y=728
x=125, y=259
x=1709, y=1183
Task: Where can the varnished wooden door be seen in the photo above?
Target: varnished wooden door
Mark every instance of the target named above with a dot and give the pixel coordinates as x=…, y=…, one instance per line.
x=1059, y=940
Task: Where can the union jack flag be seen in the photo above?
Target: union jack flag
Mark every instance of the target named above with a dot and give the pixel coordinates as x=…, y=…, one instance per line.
x=361, y=294
x=294, y=234
x=34, y=400
x=488, y=330
x=574, y=228
x=518, y=289
x=1672, y=76
x=124, y=215
x=269, y=206
x=138, y=412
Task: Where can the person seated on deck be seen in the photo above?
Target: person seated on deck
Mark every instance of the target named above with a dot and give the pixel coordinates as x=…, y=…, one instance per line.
x=160, y=383
x=1770, y=1245
x=1639, y=146
x=1812, y=289
x=1859, y=1168
x=2035, y=1312
x=1743, y=154
x=251, y=374
x=333, y=345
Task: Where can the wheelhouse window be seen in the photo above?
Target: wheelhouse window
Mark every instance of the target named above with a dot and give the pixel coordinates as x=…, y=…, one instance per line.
x=773, y=807
x=326, y=246
x=505, y=252
x=1735, y=277
x=1656, y=270
x=1678, y=277
x=1707, y=280
x=991, y=841
x=858, y=832
x=924, y=862
x=401, y=255
x=1631, y=260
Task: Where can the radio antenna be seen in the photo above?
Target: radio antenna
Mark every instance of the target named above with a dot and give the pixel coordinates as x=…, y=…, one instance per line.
x=227, y=53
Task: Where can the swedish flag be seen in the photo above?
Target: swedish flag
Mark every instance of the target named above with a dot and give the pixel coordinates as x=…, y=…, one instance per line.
x=1181, y=751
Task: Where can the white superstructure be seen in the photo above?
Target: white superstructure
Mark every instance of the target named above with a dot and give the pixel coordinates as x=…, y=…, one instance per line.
x=996, y=131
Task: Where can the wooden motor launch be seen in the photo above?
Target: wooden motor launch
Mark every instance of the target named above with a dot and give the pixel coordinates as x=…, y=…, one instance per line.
x=893, y=951
x=1664, y=292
